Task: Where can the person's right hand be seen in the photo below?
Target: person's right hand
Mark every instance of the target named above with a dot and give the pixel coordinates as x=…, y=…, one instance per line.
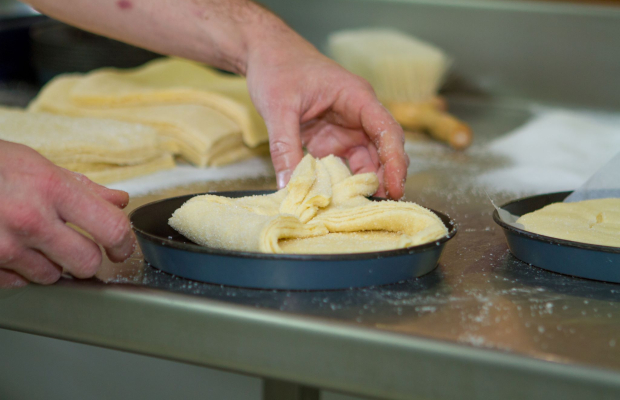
x=37, y=199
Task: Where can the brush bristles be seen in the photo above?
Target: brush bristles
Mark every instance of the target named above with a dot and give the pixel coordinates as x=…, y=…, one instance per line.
x=399, y=67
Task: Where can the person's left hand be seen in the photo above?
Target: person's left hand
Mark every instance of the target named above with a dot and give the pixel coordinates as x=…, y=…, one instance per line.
x=309, y=100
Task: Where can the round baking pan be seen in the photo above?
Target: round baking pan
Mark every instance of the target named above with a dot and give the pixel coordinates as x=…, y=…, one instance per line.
x=166, y=249
x=582, y=260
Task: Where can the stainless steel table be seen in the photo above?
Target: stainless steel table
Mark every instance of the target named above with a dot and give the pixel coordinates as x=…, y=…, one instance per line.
x=483, y=325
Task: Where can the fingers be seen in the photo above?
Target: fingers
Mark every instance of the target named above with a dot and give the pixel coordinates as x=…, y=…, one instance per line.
x=72, y=251
x=34, y=267
x=284, y=144
x=108, y=225
x=363, y=159
x=388, y=136
x=117, y=197
x=10, y=279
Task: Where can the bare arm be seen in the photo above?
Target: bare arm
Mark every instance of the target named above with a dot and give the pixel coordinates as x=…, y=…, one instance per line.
x=222, y=33
x=305, y=98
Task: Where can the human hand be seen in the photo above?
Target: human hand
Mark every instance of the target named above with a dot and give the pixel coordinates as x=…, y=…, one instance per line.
x=309, y=100
x=37, y=198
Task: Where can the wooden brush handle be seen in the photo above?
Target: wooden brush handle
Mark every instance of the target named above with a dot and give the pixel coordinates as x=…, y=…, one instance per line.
x=439, y=124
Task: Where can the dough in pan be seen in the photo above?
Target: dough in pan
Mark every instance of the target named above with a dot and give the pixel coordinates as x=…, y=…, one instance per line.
x=323, y=210
x=589, y=221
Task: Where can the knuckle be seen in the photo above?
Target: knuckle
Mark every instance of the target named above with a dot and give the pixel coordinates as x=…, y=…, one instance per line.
x=119, y=229
x=9, y=252
x=365, y=85
x=279, y=147
x=51, y=183
x=26, y=220
x=91, y=260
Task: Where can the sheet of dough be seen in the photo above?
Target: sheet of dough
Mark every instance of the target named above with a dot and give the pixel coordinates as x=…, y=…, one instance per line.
x=202, y=135
x=174, y=81
x=64, y=139
x=589, y=221
x=323, y=209
x=108, y=173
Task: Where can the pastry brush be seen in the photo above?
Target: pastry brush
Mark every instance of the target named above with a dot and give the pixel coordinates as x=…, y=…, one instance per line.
x=406, y=74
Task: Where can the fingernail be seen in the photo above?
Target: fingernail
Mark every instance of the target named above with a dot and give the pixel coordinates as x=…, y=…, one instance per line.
x=282, y=178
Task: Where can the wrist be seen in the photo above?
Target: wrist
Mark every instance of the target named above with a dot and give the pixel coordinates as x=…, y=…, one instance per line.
x=269, y=41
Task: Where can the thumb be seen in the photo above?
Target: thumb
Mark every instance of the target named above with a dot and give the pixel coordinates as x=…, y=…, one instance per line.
x=284, y=144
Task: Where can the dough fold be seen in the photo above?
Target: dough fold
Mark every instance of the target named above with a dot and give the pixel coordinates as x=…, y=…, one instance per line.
x=206, y=114
x=322, y=210
x=102, y=149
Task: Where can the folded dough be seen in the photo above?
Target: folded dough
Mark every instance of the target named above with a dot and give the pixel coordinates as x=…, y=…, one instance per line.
x=103, y=150
x=64, y=139
x=107, y=173
x=174, y=81
x=589, y=221
x=201, y=134
x=322, y=210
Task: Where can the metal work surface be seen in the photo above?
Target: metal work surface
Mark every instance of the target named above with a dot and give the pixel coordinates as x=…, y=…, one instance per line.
x=482, y=325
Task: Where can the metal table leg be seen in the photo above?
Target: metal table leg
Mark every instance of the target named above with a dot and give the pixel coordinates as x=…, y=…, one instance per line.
x=281, y=390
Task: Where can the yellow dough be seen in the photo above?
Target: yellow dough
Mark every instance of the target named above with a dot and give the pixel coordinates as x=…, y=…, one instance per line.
x=64, y=139
x=107, y=173
x=174, y=81
x=323, y=210
x=103, y=150
x=589, y=221
x=201, y=134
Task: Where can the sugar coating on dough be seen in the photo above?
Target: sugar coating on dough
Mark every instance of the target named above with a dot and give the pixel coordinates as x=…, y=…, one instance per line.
x=203, y=135
x=174, y=81
x=323, y=210
x=589, y=221
x=64, y=139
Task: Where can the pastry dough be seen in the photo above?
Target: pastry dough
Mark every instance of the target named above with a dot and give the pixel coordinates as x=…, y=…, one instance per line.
x=108, y=173
x=174, y=81
x=323, y=210
x=589, y=221
x=202, y=135
x=65, y=140
x=103, y=150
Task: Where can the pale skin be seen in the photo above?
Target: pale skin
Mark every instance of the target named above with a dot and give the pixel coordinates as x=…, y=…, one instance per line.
x=307, y=101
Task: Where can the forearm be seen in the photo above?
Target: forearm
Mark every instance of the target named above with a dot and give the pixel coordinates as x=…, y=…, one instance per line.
x=223, y=33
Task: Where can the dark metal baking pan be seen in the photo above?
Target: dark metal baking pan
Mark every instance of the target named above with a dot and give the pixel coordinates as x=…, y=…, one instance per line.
x=166, y=249
x=582, y=260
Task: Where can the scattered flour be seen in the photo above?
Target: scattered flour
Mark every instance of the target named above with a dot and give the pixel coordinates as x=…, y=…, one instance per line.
x=557, y=150
x=186, y=174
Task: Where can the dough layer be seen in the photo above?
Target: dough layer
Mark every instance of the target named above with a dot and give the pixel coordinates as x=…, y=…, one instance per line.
x=323, y=210
x=104, y=150
x=590, y=221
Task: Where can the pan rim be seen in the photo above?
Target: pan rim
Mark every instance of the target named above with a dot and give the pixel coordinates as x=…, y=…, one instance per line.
x=194, y=248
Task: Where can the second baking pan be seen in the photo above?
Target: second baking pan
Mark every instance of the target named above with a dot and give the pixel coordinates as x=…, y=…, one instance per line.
x=582, y=260
x=168, y=250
